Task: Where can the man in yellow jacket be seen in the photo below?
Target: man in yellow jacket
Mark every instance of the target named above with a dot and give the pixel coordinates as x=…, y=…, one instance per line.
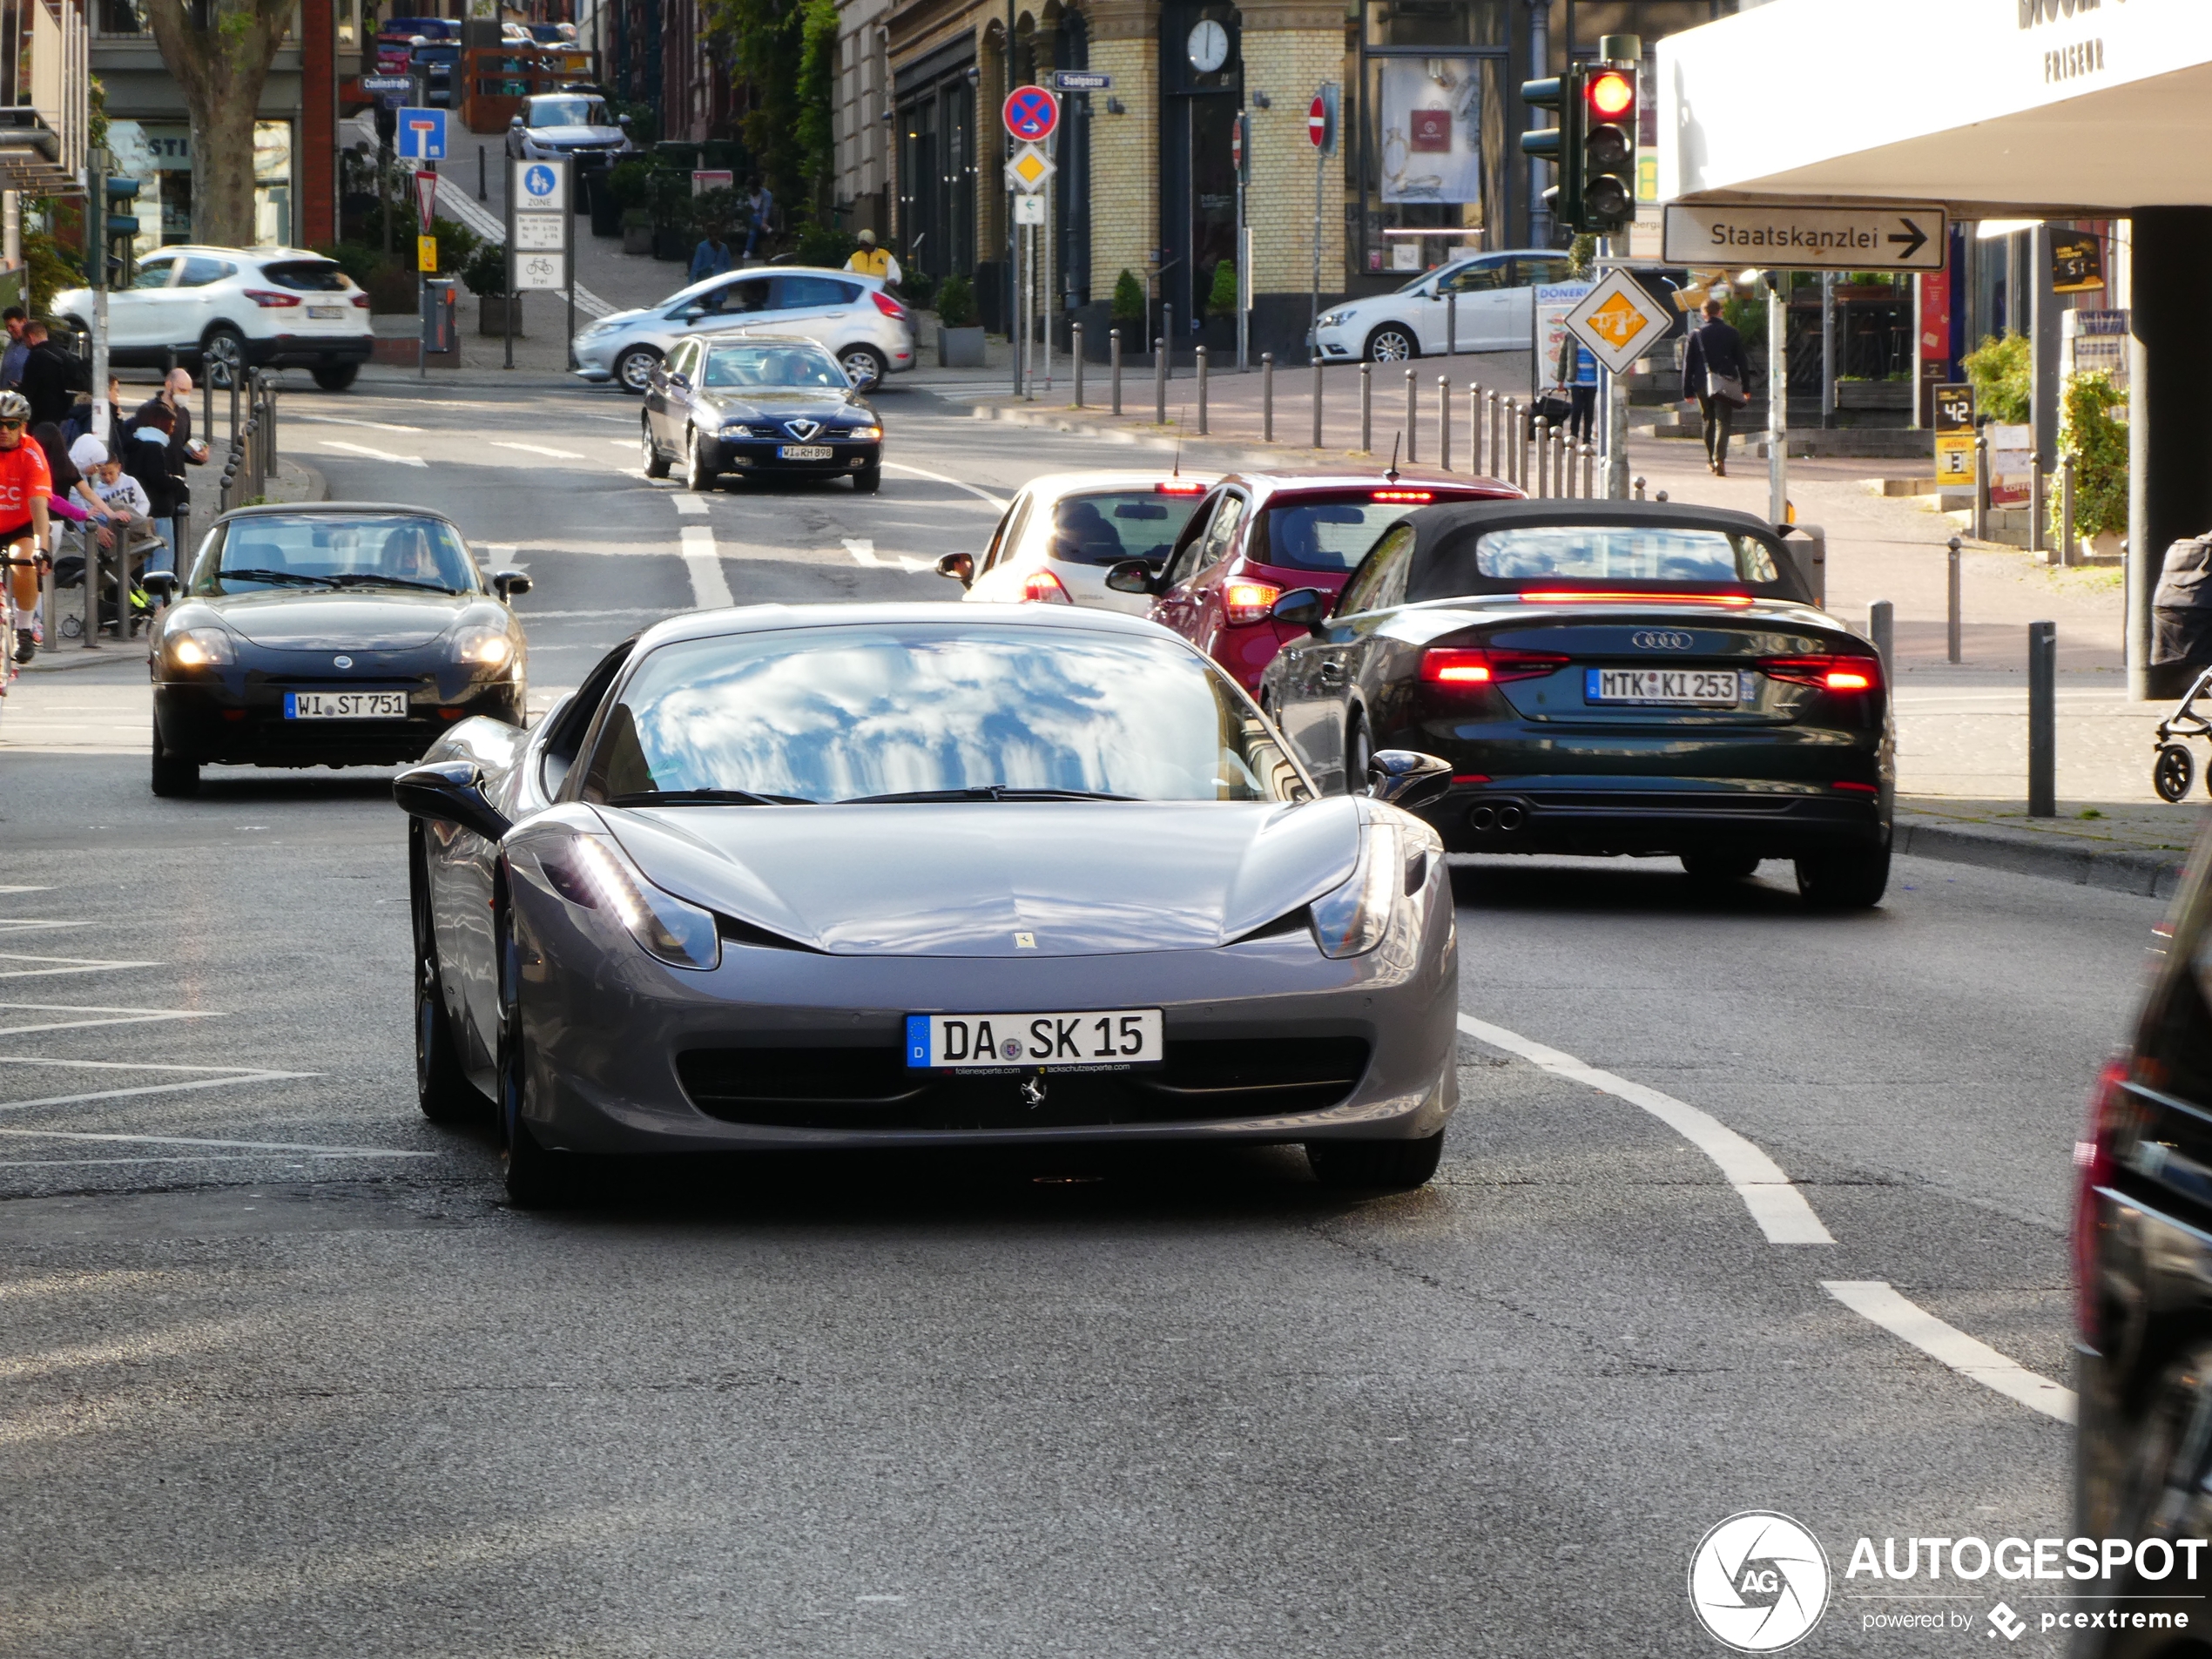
x=871, y=261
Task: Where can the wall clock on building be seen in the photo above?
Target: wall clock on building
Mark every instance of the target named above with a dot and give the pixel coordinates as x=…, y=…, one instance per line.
x=1208, y=46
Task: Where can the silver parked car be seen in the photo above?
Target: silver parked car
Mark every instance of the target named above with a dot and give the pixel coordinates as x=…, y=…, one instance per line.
x=572, y=123
x=867, y=330
x=1486, y=303
x=684, y=912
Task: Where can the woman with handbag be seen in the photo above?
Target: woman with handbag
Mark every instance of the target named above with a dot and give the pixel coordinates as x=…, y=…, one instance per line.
x=1713, y=375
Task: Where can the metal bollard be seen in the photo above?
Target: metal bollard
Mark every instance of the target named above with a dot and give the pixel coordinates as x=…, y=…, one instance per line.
x=1543, y=459
x=1444, y=422
x=1167, y=334
x=1267, y=397
x=1497, y=456
x=1413, y=420
x=1510, y=409
x=1317, y=403
x=1815, y=561
x=1201, y=391
x=2042, y=719
x=1881, y=628
x=1077, y=331
x=1452, y=325
x=1589, y=470
x=2069, y=550
x=1951, y=636
x=2037, y=541
x=1474, y=427
x=1160, y=381
x=1562, y=452
x=1639, y=487
x=1981, y=491
x=1366, y=408
x=1113, y=364
x=93, y=593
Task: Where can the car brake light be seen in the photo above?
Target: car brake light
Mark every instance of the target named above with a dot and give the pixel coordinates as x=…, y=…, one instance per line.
x=1445, y=665
x=269, y=297
x=2110, y=1113
x=1590, y=596
x=1828, y=673
x=1402, y=495
x=1178, y=488
x=888, y=306
x=1857, y=789
x=1043, y=588
x=1249, y=601
x=361, y=302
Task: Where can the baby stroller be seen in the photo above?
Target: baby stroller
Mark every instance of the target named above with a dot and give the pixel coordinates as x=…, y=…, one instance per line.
x=69, y=572
x=2183, y=611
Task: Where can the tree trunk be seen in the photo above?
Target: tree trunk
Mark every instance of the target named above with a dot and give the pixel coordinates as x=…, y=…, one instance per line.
x=219, y=50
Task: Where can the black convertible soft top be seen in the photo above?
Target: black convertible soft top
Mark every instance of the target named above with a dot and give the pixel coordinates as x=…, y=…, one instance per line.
x=1442, y=564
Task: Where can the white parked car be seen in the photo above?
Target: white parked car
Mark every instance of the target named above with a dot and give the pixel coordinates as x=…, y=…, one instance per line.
x=1496, y=310
x=1063, y=532
x=218, y=308
x=575, y=122
x=867, y=330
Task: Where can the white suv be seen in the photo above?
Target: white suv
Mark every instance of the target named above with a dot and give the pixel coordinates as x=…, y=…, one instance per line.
x=218, y=307
x=865, y=329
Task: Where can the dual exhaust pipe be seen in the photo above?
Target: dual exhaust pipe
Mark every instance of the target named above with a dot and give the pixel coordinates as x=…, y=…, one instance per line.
x=1503, y=818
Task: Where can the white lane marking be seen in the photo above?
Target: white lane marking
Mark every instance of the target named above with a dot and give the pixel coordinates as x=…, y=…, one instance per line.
x=151, y=1089
x=710, y=589
x=10, y=889
x=1778, y=1207
x=535, y=449
x=1875, y=1299
x=139, y=1065
x=35, y=924
x=863, y=552
x=939, y=477
x=625, y=443
x=372, y=455
x=571, y=615
x=691, y=505
x=72, y=965
x=193, y=1140
x=340, y=419
x=121, y=1017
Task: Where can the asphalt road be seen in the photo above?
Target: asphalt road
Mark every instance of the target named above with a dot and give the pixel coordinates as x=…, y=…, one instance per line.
x=281, y=1374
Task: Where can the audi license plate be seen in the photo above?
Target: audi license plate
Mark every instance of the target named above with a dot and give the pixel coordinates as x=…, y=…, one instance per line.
x=1102, y=1040
x=345, y=705
x=1695, y=687
x=805, y=452
x=326, y=313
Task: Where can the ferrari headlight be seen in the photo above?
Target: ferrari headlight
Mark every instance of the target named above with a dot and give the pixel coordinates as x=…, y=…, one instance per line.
x=201, y=647
x=1352, y=919
x=598, y=875
x=484, y=646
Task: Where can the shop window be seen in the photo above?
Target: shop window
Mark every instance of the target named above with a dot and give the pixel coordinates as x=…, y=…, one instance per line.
x=1434, y=156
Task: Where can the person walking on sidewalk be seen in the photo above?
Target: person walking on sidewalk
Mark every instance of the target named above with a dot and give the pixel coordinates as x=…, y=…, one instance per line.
x=711, y=257
x=158, y=446
x=1577, y=373
x=762, y=202
x=1713, y=375
x=52, y=375
x=11, y=359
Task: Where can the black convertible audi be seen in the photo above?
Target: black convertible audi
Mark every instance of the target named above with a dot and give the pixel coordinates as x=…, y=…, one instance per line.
x=754, y=404
x=1606, y=677
x=333, y=635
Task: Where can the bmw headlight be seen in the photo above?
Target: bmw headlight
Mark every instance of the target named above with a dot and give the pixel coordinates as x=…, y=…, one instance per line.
x=1334, y=319
x=483, y=646
x=200, y=648
x=597, y=874
x=1352, y=919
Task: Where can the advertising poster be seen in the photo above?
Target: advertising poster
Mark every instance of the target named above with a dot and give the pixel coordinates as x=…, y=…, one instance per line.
x=1552, y=301
x=1431, y=128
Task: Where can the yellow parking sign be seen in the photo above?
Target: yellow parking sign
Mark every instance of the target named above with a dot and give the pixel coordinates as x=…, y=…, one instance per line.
x=426, y=255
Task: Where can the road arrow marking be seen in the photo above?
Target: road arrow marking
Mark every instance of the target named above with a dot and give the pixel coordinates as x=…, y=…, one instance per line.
x=709, y=588
x=1915, y=242
x=692, y=505
x=863, y=552
x=372, y=455
x=339, y=419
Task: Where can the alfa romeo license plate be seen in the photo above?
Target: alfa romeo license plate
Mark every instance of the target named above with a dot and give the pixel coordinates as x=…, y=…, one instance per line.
x=1693, y=687
x=805, y=452
x=345, y=705
x=1100, y=1040
x=326, y=313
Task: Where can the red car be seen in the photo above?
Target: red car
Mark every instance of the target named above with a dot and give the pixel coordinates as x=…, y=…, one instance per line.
x=1258, y=535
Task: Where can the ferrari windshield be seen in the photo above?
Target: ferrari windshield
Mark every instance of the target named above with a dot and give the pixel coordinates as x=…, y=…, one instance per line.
x=338, y=550
x=933, y=711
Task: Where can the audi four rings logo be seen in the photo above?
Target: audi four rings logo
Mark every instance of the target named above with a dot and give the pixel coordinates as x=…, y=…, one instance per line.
x=1661, y=639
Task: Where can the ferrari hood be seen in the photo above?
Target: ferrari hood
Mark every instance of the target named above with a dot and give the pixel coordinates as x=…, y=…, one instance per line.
x=297, y=619
x=1004, y=879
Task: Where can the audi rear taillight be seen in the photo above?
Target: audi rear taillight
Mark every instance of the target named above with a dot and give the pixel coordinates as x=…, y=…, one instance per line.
x=1461, y=666
x=269, y=298
x=1042, y=588
x=2110, y=1113
x=888, y=306
x=1249, y=601
x=1826, y=673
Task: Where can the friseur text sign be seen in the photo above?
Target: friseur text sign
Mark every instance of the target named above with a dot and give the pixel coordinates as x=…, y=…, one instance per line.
x=1786, y=236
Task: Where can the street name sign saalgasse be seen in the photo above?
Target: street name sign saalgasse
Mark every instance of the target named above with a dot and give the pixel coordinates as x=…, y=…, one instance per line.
x=1789, y=236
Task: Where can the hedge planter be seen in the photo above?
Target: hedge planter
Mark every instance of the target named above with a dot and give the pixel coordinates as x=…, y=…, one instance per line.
x=960, y=348
x=493, y=311
x=637, y=238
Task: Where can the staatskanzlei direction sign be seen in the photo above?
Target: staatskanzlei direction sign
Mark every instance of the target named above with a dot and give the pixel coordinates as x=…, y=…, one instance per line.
x=1786, y=236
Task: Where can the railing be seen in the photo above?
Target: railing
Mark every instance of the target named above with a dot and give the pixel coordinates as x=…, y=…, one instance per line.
x=43, y=81
x=252, y=460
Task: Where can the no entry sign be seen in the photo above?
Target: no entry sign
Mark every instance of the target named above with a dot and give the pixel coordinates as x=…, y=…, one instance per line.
x=1316, y=121
x=1031, y=113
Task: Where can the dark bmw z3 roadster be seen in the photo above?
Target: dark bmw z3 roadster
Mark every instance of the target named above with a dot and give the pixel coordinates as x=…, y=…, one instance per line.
x=1606, y=677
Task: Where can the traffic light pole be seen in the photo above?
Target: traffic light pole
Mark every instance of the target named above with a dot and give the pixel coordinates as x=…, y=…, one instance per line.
x=1614, y=390
x=1777, y=399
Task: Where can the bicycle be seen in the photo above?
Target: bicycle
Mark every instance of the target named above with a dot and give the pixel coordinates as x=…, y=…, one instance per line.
x=8, y=670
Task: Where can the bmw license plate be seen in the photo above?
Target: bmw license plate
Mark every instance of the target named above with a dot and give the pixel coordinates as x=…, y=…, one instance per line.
x=1693, y=687
x=805, y=452
x=1102, y=1040
x=326, y=313
x=345, y=705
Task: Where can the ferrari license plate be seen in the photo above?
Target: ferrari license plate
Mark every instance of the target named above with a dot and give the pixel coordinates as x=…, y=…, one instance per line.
x=1111, y=1039
x=1694, y=687
x=326, y=313
x=345, y=705
x=805, y=452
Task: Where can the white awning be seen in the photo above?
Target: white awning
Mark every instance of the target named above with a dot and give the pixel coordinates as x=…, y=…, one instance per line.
x=2040, y=109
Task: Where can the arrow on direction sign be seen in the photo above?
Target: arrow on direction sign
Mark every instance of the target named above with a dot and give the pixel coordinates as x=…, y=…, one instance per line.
x=1913, y=243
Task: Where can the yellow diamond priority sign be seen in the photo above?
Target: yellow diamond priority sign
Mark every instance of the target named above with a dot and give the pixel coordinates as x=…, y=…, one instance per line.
x=1618, y=321
x=1029, y=169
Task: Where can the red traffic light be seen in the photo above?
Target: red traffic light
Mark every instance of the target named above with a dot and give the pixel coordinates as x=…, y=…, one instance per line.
x=1612, y=94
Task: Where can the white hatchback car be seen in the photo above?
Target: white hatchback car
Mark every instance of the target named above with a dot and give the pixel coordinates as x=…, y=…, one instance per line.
x=1062, y=533
x=218, y=308
x=1495, y=310
x=867, y=330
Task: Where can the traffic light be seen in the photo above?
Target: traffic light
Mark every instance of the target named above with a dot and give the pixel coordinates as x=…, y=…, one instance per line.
x=1607, y=189
x=123, y=193
x=1559, y=144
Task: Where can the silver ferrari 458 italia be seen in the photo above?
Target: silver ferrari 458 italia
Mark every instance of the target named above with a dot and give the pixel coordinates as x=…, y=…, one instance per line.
x=919, y=875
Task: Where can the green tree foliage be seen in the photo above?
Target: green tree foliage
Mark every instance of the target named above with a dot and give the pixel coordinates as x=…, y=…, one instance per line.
x=817, y=95
x=2098, y=440
x=1999, y=372
x=629, y=183
x=767, y=40
x=956, y=303
x=1129, y=298
x=1580, y=253
x=485, y=272
x=825, y=245
x=1221, y=298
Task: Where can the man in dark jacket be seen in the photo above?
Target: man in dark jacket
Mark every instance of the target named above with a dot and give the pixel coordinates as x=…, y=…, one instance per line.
x=52, y=375
x=156, y=447
x=1715, y=353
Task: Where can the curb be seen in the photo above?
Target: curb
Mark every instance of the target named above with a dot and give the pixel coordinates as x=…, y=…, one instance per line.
x=2146, y=873
x=1243, y=457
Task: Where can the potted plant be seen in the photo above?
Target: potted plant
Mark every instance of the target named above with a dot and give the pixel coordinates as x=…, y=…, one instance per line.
x=1129, y=313
x=637, y=230
x=486, y=275
x=960, y=338
x=1219, y=331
